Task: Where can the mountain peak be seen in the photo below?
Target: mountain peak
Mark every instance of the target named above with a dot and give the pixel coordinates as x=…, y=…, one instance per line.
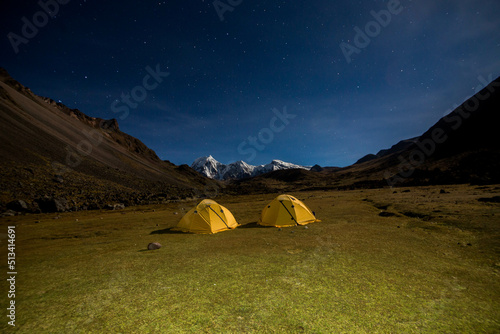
x=111, y=124
x=213, y=169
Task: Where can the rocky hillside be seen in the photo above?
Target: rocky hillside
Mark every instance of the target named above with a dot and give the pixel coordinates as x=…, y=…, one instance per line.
x=50, y=151
x=462, y=147
x=400, y=146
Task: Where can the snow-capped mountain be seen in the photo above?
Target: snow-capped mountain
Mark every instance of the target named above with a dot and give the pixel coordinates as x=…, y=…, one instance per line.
x=213, y=169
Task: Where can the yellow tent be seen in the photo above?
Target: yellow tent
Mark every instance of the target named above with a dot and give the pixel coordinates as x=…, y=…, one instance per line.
x=286, y=210
x=207, y=217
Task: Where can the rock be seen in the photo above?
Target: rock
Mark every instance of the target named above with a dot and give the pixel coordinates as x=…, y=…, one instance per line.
x=442, y=191
x=61, y=204
x=8, y=213
x=35, y=208
x=109, y=124
x=49, y=204
x=119, y=206
x=58, y=179
x=17, y=205
x=154, y=245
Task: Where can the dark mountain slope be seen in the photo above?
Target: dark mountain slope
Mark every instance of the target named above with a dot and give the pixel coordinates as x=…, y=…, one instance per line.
x=462, y=147
x=51, y=150
x=400, y=146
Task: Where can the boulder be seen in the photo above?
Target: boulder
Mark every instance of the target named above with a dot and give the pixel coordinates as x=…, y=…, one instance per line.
x=18, y=206
x=154, y=245
x=50, y=204
x=119, y=206
x=8, y=213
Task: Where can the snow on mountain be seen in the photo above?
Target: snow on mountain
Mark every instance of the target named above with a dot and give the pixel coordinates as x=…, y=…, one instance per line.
x=207, y=166
x=213, y=169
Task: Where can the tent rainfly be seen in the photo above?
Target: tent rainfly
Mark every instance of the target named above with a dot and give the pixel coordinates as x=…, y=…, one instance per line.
x=286, y=210
x=207, y=217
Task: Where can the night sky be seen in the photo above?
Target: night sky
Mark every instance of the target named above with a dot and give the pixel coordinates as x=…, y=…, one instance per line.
x=333, y=103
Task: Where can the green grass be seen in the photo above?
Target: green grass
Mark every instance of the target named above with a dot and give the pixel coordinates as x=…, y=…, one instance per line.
x=354, y=272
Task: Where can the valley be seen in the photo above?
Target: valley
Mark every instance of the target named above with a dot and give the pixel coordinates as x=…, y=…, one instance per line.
x=414, y=259
x=250, y=167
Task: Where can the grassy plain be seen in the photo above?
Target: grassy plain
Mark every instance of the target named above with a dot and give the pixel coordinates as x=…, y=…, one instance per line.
x=406, y=260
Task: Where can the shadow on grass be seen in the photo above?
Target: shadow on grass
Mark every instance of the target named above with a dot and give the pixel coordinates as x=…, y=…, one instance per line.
x=254, y=225
x=146, y=250
x=167, y=231
x=171, y=231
